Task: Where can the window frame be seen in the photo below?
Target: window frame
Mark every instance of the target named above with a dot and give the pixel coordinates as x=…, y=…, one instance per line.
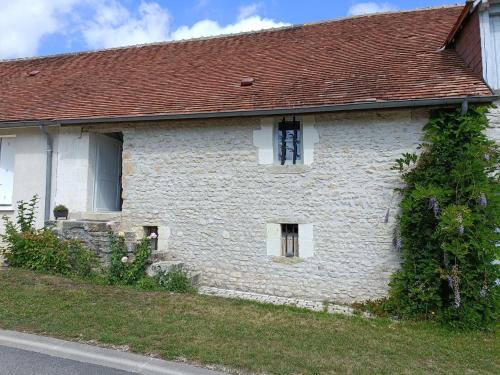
x=277, y=146
x=290, y=236
x=8, y=206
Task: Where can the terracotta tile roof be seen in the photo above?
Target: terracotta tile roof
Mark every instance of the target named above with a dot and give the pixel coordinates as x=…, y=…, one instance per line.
x=383, y=57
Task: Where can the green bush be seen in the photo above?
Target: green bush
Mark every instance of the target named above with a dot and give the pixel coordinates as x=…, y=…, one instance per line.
x=37, y=250
x=147, y=283
x=83, y=263
x=40, y=249
x=121, y=269
x=126, y=271
x=447, y=230
x=175, y=280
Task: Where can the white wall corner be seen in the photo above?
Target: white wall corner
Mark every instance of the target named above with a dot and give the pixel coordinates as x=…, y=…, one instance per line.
x=306, y=241
x=263, y=140
x=274, y=239
x=310, y=138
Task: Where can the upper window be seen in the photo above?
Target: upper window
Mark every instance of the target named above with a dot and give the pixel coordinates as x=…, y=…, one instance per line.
x=288, y=142
x=7, y=153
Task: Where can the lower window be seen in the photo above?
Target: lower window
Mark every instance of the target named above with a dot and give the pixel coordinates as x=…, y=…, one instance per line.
x=290, y=240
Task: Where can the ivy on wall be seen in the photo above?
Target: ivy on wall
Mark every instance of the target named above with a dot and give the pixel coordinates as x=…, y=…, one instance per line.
x=448, y=225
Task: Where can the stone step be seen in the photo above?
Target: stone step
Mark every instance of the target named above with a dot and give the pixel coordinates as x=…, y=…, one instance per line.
x=159, y=256
x=162, y=266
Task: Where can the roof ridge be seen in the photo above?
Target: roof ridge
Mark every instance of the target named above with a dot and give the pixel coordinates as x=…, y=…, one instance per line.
x=221, y=36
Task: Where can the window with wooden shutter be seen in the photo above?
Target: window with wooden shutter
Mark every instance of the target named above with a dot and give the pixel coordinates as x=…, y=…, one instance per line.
x=7, y=156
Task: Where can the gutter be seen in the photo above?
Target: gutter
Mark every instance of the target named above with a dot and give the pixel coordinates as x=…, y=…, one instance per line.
x=48, y=170
x=368, y=105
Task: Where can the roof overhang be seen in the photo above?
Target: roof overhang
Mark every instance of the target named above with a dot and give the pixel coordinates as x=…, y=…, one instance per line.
x=358, y=106
x=467, y=9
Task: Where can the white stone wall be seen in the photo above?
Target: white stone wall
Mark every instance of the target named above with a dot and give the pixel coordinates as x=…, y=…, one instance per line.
x=201, y=184
x=494, y=118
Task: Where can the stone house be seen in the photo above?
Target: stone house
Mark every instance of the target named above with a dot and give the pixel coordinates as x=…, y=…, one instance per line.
x=263, y=159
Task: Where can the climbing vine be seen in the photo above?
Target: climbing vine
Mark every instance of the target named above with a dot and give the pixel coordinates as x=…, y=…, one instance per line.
x=448, y=225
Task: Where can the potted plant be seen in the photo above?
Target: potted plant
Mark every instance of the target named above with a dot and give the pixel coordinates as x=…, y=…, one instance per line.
x=61, y=211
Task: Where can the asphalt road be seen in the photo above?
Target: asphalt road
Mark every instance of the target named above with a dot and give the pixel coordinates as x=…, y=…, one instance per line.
x=22, y=362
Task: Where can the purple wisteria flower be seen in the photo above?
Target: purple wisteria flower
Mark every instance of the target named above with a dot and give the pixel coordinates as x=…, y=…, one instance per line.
x=483, y=292
x=482, y=200
x=461, y=230
x=454, y=281
x=450, y=282
x=486, y=157
x=434, y=205
x=457, y=298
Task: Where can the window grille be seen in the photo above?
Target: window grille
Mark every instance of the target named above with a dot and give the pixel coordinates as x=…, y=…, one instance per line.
x=289, y=139
x=290, y=240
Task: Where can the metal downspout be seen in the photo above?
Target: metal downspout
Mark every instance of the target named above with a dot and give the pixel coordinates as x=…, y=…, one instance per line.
x=48, y=174
x=465, y=107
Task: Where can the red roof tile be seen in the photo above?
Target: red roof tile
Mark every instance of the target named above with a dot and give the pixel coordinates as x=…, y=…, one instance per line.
x=383, y=57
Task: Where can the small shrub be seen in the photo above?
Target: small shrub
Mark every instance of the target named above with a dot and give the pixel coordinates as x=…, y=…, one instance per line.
x=60, y=208
x=83, y=262
x=175, y=280
x=41, y=249
x=147, y=283
x=123, y=271
x=26, y=214
x=37, y=250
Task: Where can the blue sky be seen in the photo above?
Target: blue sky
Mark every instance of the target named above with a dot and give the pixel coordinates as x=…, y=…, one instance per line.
x=42, y=27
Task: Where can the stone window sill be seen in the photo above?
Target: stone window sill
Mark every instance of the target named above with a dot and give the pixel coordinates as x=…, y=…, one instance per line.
x=285, y=260
x=289, y=169
x=6, y=208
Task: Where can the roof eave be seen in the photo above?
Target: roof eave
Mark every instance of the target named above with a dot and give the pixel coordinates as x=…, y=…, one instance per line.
x=368, y=105
x=469, y=4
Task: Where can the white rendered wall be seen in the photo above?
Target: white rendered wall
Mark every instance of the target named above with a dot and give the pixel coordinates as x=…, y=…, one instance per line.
x=72, y=165
x=29, y=169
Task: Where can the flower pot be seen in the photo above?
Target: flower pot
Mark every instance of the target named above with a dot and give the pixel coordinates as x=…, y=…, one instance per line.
x=61, y=214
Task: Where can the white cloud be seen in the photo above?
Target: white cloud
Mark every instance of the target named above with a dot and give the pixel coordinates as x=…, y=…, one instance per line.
x=106, y=23
x=210, y=28
x=114, y=26
x=23, y=24
x=370, y=7
x=248, y=11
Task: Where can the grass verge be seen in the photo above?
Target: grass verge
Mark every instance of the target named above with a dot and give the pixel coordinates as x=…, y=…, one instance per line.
x=237, y=334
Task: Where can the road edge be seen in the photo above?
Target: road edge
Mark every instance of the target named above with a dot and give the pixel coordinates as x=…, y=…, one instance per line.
x=98, y=356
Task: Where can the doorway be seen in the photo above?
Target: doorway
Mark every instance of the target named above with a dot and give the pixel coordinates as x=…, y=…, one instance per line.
x=108, y=172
